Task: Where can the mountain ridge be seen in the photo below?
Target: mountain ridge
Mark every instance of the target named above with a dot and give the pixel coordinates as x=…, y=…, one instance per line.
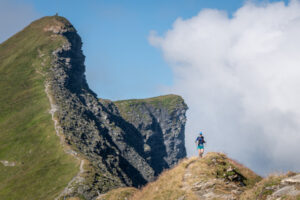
x=27, y=135
x=215, y=176
x=58, y=140
x=109, y=151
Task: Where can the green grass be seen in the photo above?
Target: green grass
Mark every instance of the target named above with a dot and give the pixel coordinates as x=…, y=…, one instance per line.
x=169, y=102
x=119, y=194
x=260, y=190
x=27, y=135
x=173, y=184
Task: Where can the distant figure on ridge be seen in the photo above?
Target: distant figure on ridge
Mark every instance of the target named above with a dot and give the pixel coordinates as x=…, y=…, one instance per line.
x=200, y=144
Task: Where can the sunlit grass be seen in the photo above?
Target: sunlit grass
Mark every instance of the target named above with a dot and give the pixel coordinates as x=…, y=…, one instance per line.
x=178, y=182
x=169, y=102
x=27, y=135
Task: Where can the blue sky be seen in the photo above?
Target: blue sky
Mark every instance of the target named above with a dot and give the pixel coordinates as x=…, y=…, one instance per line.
x=120, y=61
x=238, y=75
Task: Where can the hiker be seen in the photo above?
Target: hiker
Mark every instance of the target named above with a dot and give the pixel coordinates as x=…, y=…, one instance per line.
x=200, y=144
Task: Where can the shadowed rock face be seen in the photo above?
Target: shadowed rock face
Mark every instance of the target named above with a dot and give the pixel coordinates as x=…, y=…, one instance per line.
x=121, y=152
x=160, y=121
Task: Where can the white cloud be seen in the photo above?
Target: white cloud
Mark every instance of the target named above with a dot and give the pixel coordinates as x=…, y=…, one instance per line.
x=240, y=77
x=14, y=15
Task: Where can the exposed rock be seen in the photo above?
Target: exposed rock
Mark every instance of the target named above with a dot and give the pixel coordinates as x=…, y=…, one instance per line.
x=293, y=179
x=275, y=187
x=289, y=187
x=119, y=153
x=287, y=190
x=8, y=163
x=198, y=178
x=229, y=182
x=161, y=122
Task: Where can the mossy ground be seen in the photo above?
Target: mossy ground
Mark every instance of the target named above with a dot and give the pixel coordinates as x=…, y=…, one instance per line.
x=27, y=135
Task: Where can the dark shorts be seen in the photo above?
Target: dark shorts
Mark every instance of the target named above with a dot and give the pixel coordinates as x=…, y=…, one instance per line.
x=200, y=146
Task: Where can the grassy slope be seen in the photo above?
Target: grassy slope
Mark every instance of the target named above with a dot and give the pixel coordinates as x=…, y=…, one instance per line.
x=170, y=102
x=170, y=184
x=27, y=134
x=119, y=194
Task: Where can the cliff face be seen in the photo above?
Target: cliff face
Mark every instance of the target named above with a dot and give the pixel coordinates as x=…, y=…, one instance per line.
x=161, y=122
x=119, y=152
x=43, y=91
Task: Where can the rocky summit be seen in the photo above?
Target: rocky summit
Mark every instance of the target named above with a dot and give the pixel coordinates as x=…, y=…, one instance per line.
x=92, y=145
x=214, y=177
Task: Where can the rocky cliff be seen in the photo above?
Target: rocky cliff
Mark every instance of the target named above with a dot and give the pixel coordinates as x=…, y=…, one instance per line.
x=44, y=94
x=161, y=122
x=118, y=151
x=102, y=144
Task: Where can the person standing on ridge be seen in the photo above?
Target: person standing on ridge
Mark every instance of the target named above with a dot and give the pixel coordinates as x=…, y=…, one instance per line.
x=200, y=144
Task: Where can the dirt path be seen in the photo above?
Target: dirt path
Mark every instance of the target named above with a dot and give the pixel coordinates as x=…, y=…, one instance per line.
x=79, y=176
x=186, y=176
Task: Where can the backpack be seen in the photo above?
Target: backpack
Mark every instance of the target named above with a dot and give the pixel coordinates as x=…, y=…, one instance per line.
x=200, y=140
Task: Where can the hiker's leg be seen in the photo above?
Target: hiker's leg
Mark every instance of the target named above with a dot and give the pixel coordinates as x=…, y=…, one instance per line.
x=201, y=152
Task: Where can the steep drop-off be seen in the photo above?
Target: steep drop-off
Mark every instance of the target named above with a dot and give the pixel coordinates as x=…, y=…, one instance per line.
x=161, y=122
x=115, y=145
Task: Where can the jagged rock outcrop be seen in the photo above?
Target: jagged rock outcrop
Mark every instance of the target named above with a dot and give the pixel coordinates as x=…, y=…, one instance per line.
x=275, y=187
x=161, y=122
x=120, y=152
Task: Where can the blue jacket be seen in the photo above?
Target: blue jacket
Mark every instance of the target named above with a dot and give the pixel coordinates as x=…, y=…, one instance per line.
x=200, y=140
